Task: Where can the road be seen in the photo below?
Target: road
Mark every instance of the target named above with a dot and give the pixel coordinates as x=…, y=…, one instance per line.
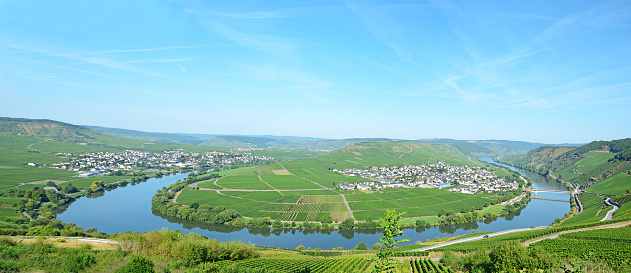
x=471, y=239
x=610, y=213
x=617, y=225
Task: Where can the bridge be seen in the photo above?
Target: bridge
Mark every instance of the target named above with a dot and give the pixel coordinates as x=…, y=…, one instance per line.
x=539, y=190
x=535, y=191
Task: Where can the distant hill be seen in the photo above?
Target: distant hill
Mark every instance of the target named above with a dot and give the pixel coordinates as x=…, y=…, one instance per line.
x=238, y=141
x=587, y=164
x=492, y=147
x=161, y=137
x=45, y=128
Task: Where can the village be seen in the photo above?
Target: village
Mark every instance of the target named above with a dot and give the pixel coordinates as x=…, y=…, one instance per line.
x=103, y=163
x=463, y=179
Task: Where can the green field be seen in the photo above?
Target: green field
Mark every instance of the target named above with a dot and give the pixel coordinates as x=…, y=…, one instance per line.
x=311, y=185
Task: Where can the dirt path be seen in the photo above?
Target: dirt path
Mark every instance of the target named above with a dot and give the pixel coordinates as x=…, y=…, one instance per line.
x=177, y=194
x=29, y=146
x=83, y=239
x=405, y=153
x=323, y=187
x=350, y=212
x=275, y=189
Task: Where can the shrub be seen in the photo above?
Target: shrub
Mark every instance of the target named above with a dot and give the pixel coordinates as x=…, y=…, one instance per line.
x=76, y=262
x=361, y=246
x=138, y=264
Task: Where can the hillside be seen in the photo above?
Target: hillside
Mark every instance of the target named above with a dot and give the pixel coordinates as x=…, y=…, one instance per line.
x=45, y=128
x=271, y=142
x=492, y=147
x=586, y=165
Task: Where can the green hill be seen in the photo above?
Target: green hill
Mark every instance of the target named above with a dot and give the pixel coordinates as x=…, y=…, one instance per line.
x=606, y=162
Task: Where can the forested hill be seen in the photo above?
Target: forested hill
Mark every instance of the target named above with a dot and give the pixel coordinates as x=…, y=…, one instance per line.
x=590, y=163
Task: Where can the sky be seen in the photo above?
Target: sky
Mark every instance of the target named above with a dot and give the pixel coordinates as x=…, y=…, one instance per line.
x=538, y=71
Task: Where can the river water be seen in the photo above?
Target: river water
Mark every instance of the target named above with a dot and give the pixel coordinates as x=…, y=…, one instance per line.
x=129, y=209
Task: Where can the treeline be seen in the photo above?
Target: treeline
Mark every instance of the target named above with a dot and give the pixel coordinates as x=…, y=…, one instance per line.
x=162, y=201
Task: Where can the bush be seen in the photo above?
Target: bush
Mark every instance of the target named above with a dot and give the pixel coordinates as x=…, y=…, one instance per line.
x=138, y=264
x=77, y=261
x=376, y=246
x=361, y=246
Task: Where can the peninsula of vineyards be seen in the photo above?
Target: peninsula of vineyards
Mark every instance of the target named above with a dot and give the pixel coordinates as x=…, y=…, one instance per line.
x=419, y=178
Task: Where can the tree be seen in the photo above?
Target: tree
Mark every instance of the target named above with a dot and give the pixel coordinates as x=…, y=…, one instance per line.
x=70, y=189
x=349, y=223
x=361, y=246
x=391, y=230
x=376, y=246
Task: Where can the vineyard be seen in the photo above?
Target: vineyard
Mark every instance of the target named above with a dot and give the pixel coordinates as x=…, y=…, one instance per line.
x=428, y=266
x=523, y=236
x=610, y=245
x=622, y=199
x=323, y=265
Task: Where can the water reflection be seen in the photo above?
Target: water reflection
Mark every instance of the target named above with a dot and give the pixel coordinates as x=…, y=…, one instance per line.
x=129, y=209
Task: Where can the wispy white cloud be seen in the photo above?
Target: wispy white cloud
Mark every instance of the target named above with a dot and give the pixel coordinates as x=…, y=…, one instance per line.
x=275, y=14
x=158, y=61
x=260, y=42
x=162, y=48
x=82, y=56
x=380, y=25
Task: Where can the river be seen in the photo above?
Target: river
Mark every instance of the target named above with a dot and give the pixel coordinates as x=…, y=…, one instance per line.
x=129, y=209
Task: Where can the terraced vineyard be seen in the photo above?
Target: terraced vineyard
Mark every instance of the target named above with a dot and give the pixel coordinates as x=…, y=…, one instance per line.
x=315, y=265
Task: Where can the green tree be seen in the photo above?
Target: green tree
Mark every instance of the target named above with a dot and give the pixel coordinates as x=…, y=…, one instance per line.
x=361, y=246
x=349, y=223
x=376, y=246
x=391, y=230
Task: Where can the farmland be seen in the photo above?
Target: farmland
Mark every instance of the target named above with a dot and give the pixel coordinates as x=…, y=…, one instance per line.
x=305, y=190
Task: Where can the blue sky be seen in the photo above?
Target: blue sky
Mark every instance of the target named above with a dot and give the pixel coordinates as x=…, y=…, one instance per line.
x=540, y=71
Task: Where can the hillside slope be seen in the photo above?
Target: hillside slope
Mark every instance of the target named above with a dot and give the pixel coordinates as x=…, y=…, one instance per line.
x=586, y=165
